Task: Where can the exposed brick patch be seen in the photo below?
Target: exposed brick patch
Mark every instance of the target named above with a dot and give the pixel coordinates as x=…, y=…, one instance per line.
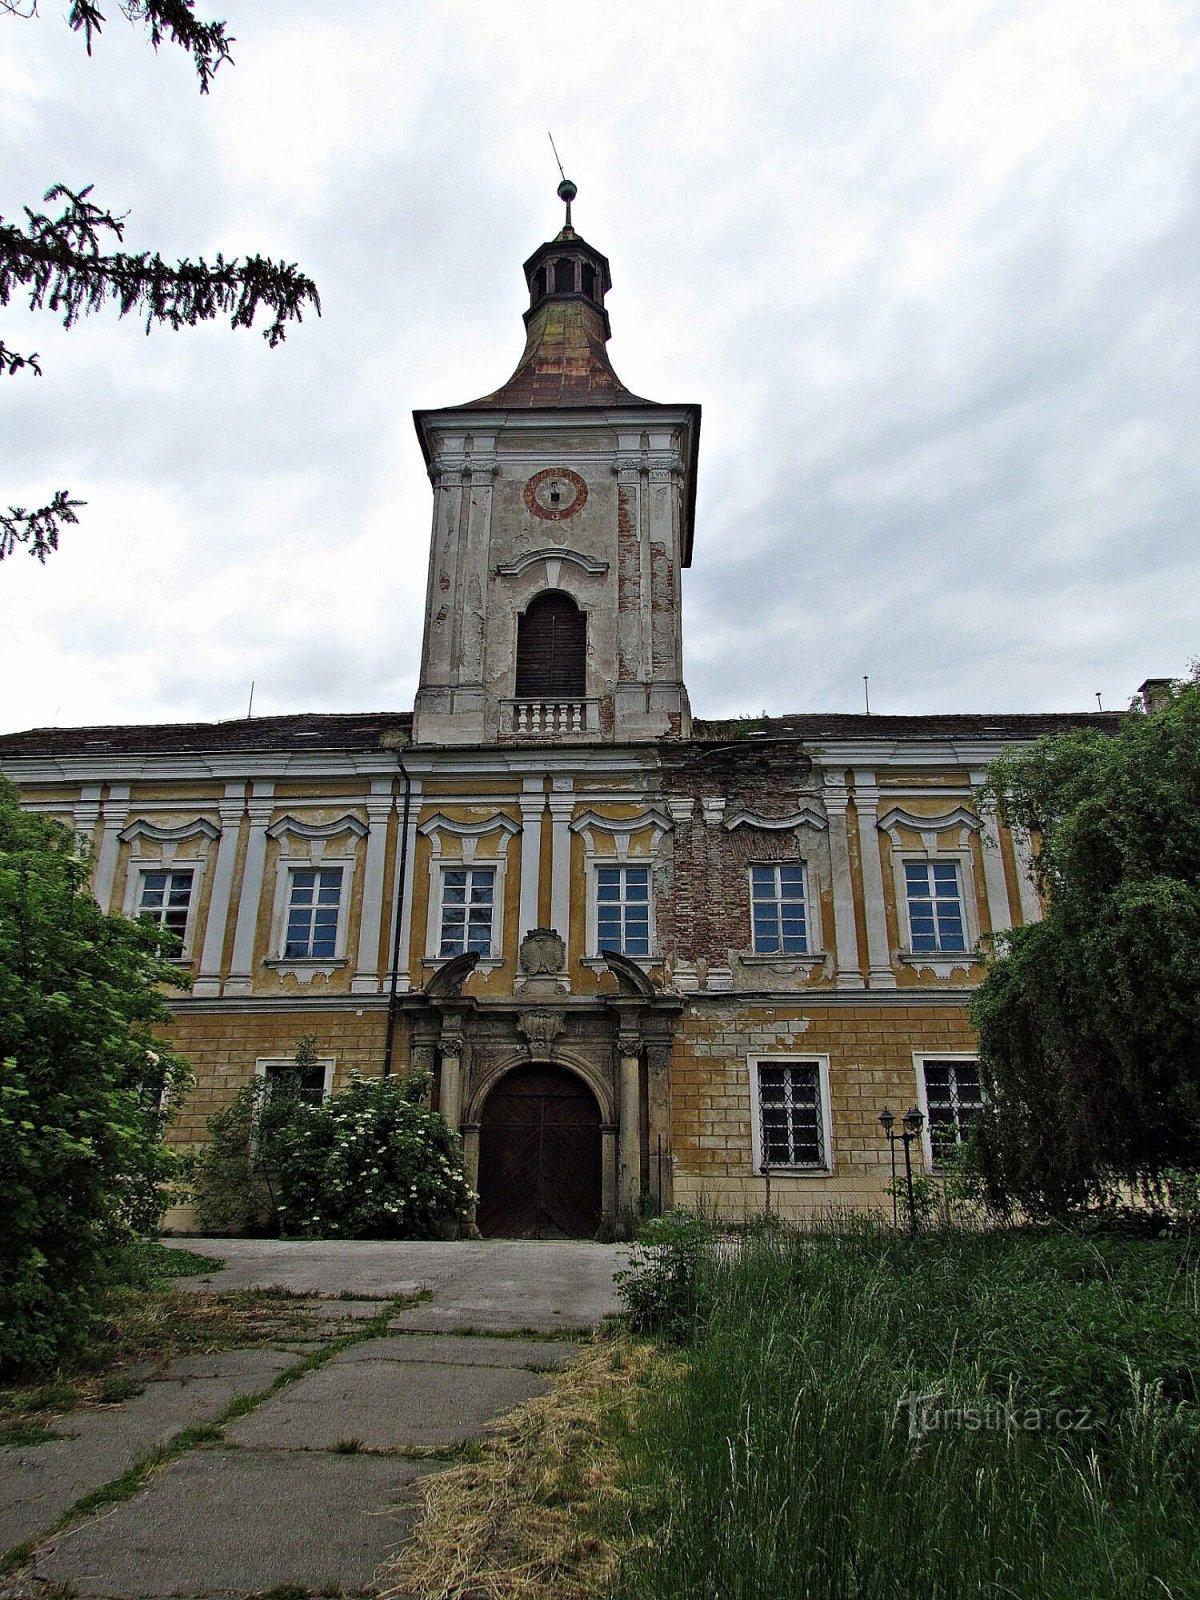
x=627, y=589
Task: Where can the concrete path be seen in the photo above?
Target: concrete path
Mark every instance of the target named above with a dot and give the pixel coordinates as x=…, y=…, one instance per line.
x=312, y=1485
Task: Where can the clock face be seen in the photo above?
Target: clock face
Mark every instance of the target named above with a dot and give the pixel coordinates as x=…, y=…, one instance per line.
x=555, y=494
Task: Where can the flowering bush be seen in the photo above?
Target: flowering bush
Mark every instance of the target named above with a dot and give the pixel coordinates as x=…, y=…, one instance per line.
x=372, y=1163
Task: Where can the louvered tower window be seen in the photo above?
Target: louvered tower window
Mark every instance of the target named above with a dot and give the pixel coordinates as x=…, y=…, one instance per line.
x=552, y=649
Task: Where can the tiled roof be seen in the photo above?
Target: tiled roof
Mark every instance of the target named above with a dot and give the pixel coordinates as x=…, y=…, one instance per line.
x=817, y=726
x=368, y=730
x=381, y=730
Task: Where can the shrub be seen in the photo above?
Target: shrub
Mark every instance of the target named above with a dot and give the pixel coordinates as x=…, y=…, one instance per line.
x=372, y=1162
x=661, y=1287
x=236, y=1178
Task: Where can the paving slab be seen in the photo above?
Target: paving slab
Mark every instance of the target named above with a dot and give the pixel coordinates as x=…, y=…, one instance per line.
x=230, y=1522
x=461, y=1351
x=385, y=1405
x=546, y=1285
x=39, y=1482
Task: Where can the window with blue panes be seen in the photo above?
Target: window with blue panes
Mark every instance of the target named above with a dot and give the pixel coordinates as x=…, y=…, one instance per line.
x=935, y=906
x=468, y=897
x=314, y=903
x=623, y=910
x=779, y=922
x=165, y=898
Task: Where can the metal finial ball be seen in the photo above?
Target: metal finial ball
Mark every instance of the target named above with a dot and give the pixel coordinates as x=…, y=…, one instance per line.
x=567, y=190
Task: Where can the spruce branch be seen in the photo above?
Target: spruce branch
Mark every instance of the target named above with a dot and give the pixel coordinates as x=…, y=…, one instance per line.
x=60, y=261
x=38, y=530
x=206, y=42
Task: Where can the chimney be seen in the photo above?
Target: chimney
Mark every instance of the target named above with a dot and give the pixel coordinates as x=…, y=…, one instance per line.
x=1156, y=693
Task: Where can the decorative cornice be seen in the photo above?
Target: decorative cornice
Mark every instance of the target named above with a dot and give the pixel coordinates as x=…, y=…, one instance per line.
x=141, y=829
x=514, y=569
x=317, y=830
x=441, y=823
x=899, y=817
x=807, y=816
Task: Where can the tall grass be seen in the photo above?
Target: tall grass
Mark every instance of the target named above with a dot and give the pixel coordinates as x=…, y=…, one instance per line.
x=785, y=1461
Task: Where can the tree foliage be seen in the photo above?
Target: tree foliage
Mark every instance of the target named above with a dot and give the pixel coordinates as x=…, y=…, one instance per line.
x=85, y=1087
x=1089, y=1021
x=64, y=262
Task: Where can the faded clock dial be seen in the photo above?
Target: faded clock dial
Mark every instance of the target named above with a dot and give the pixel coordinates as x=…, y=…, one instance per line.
x=555, y=494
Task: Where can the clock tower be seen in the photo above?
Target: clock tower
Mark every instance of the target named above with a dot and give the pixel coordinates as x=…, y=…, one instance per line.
x=563, y=514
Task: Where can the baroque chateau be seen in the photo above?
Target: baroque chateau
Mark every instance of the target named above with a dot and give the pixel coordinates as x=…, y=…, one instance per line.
x=649, y=960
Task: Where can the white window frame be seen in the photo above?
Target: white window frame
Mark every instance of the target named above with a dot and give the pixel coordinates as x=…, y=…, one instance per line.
x=264, y=1064
x=143, y=871
x=314, y=839
x=141, y=836
x=636, y=864
x=294, y=869
x=465, y=838
x=805, y=900
x=793, y=1058
x=806, y=824
x=928, y=864
x=922, y=1058
x=438, y=921
x=608, y=842
x=940, y=838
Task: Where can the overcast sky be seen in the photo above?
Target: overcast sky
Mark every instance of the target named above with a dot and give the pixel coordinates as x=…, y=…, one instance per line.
x=931, y=269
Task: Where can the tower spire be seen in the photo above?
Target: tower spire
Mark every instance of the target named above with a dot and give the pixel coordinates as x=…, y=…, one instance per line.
x=566, y=189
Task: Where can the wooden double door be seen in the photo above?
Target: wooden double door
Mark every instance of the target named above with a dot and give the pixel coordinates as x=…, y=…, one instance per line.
x=540, y=1157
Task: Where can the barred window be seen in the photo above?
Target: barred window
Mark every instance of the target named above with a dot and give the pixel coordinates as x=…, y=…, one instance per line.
x=779, y=921
x=791, y=1114
x=468, y=898
x=935, y=905
x=314, y=904
x=953, y=1094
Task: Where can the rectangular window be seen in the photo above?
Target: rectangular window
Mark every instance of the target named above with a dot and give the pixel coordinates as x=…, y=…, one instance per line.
x=791, y=1115
x=935, y=907
x=468, y=897
x=778, y=921
x=314, y=902
x=623, y=910
x=307, y=1083
x=165, y=898
x=953, y=1094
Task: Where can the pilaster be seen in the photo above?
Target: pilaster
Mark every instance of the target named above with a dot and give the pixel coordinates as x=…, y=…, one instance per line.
x=379, y=811
x=866, y=806
x=258, y=808
x=207, y=984
x=845, y=927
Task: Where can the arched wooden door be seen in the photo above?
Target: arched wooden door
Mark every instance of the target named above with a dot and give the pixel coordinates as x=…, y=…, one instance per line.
x=539, y=1157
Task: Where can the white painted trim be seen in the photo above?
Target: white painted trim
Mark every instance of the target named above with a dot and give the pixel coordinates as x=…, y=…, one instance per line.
x=140, y=865
x=592, y=567
x=285, y=867
x=317, y=830
x=784, y=1059
x=807, y=816
x=262, y=1064
x=815, y=945
x=468, y=834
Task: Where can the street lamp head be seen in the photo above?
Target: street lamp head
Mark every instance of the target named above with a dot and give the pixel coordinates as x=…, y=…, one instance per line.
x=913, y=1120
x=887, y=1121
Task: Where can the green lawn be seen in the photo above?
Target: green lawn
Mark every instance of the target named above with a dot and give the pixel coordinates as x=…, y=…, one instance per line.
x=860, y=1414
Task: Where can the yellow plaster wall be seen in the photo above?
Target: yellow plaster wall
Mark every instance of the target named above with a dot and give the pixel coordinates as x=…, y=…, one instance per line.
x=870, y=1050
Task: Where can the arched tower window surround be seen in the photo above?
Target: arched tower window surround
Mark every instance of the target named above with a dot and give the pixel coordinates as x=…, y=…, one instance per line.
x=552, y=648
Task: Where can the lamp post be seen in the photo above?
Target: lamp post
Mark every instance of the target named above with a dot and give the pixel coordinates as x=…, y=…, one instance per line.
x=910, y=1124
